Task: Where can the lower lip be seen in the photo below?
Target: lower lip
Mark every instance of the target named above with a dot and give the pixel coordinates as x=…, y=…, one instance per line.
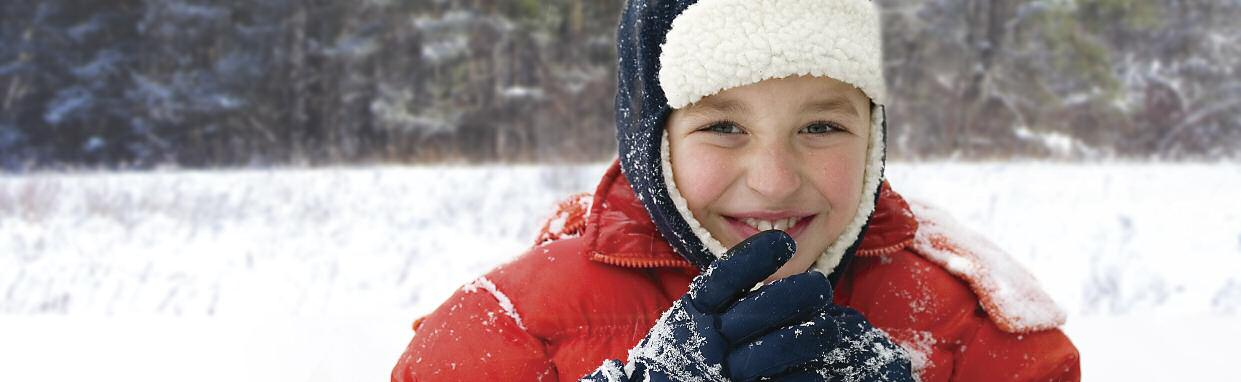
x=745, y=230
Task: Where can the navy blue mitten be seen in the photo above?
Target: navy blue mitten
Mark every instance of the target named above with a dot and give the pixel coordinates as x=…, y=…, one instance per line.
x=722, y=331
x=790, y=330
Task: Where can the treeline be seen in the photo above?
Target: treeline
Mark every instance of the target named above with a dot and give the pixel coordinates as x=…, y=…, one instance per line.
x=1065, y=78
x=198, y=83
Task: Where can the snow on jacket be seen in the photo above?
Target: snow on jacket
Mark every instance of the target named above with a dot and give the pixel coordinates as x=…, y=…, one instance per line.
x=601, y=275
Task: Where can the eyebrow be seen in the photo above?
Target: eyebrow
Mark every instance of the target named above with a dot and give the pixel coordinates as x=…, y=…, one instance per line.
x=722, y=105
x=830, y=105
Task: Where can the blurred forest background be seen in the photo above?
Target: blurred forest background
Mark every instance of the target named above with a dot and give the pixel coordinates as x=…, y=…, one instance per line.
x=198, y=83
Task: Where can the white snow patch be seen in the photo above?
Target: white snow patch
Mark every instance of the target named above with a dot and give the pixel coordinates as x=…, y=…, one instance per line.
x=919, y=349
x=613, y=371
x=557, y=222
x=1058, y=143
x=681, y=359
x=505, y=303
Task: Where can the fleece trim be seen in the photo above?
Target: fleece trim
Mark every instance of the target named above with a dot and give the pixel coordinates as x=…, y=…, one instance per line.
x=831, y=257
x=720, y=44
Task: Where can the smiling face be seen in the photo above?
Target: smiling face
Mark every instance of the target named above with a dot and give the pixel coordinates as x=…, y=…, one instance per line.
x=785, y=153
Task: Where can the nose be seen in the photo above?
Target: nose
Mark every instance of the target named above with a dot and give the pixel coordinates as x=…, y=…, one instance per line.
x=773, y=172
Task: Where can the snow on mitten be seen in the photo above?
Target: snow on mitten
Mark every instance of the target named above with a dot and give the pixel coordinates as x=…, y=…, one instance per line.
x=861, y=353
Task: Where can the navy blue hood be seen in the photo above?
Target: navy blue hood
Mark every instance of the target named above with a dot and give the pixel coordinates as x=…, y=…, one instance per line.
x=641, y=112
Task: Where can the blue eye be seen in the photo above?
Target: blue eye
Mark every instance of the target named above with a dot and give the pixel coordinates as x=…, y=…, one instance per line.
x=723, y=128
x=821, y=128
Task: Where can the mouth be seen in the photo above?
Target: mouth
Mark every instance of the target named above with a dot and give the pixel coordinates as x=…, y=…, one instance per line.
x=745, y=227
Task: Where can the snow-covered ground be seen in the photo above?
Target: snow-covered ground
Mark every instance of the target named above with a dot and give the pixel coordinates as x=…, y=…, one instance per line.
x=315, y=275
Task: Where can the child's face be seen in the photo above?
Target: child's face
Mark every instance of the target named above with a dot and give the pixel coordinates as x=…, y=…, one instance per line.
x=780, y=151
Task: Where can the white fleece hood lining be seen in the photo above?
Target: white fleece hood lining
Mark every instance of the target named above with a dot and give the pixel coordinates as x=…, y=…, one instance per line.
x=830, y=258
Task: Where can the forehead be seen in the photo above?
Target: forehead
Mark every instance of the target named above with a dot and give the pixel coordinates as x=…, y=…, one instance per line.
x=737, y=105
x=802, y=94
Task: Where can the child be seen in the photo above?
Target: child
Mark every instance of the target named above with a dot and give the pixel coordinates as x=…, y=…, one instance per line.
x=751, y=152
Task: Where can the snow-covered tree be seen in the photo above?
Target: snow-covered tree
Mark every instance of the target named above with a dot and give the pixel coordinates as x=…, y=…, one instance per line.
x=198, y=82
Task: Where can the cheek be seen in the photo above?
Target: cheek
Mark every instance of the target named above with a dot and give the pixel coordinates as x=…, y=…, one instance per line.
x=840, y=181
x=701, y=174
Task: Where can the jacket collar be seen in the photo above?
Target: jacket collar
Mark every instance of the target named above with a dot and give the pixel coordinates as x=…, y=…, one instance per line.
x=620, y=232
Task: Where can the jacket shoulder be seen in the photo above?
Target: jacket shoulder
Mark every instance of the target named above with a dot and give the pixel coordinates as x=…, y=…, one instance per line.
x=518, y=311
x=940, y=320
x=464, y=337
x=1010, y=295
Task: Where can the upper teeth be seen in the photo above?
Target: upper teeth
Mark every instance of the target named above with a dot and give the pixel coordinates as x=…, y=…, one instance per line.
x=763, y=225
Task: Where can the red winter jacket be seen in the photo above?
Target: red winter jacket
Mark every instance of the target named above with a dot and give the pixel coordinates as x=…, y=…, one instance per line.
x=601, y=276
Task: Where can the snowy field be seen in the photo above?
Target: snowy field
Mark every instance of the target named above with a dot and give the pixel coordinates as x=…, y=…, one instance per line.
x=315, y=275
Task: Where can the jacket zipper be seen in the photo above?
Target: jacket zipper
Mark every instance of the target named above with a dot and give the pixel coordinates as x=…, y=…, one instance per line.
x=639, y=263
